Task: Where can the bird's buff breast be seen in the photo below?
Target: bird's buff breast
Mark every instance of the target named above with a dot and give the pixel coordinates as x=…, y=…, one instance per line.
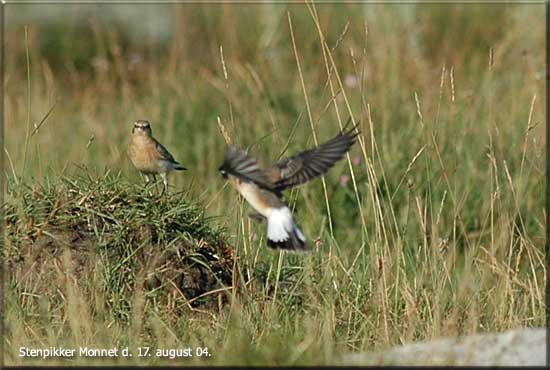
x=143, y=155
x=253, y=195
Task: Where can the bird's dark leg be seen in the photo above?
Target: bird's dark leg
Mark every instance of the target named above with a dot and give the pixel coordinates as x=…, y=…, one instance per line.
x=155, y=182
x=147, y=183
x=165, y=183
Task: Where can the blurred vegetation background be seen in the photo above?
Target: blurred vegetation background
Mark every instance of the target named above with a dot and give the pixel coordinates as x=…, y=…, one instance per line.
x=434, y=226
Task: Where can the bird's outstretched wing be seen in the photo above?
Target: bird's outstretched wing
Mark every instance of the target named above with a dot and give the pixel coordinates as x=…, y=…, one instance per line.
x=238, y=163
x=304, y=166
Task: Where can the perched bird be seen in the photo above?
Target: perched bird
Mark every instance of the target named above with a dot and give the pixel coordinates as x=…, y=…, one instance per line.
x=263, y=188
x=149, y=156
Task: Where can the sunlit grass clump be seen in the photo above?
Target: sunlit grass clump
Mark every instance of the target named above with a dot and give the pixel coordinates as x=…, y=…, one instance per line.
x=113, y=238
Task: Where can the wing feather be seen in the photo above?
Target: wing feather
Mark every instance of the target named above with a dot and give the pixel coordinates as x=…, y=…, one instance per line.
x=164, y=153
x=238, y=163
x=304, y=166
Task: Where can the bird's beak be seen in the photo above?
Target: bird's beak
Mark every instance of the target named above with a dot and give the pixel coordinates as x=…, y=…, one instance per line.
x=223, y=172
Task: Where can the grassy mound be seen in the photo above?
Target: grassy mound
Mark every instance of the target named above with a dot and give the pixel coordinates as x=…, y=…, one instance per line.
x=114, y=236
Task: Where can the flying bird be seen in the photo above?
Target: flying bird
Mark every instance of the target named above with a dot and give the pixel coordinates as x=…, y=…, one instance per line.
x=149, y=156
x=263, y=188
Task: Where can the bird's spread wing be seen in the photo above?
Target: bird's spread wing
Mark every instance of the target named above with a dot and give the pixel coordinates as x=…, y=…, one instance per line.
x=300, y=168
x=164, y=153
x=238, y=163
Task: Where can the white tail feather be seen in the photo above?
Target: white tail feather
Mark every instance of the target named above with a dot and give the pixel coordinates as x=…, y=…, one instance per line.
x=282, y=232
